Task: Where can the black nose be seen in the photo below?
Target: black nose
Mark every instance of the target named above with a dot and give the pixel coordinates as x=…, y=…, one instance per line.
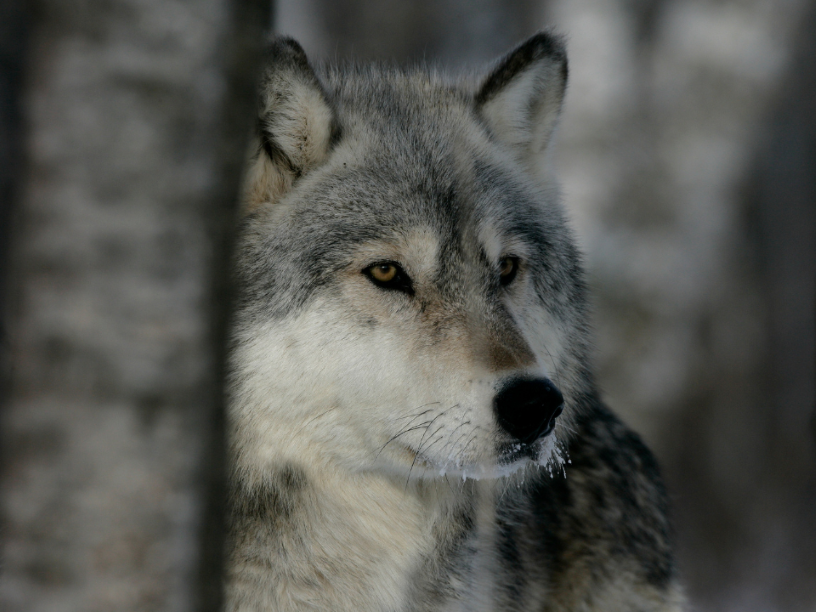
x=527, y=409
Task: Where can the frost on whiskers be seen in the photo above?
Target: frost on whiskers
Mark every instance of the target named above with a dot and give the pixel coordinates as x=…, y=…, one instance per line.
x=551, y=456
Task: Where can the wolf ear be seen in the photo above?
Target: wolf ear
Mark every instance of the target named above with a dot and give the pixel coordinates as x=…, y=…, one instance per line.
x=296, y=124
x=521, y=97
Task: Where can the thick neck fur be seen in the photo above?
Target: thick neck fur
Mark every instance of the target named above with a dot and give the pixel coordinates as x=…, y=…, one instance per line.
x=332, y=540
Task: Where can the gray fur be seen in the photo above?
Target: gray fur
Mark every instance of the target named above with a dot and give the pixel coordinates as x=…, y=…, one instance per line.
x=369, y=471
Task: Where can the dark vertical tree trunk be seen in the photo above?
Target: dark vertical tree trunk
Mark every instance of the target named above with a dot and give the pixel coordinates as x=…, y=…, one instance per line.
x=13, y=36
x=112, y=437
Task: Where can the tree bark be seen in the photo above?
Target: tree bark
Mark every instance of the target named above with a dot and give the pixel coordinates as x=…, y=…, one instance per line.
x=112, y=437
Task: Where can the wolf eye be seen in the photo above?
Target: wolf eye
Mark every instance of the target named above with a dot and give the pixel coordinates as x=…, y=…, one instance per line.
x=388, y=275
x=508, y=267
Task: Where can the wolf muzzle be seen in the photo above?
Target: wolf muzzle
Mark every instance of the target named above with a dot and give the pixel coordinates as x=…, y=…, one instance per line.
x=527, y=408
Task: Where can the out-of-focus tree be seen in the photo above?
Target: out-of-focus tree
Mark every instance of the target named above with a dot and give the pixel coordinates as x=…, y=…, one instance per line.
x=13, y=35
x=137, y=114
x=687, y=158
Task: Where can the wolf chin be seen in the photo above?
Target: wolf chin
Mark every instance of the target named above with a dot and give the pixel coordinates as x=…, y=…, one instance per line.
x=413, y=419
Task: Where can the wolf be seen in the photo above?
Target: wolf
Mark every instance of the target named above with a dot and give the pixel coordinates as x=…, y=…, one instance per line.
x=413, y=420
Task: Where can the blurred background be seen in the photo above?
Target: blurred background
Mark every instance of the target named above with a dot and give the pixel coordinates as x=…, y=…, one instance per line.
x=687, y=153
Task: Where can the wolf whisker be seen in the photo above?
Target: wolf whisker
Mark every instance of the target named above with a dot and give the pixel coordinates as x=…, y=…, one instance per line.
x=441, y=414
x=415, y=415
x=419, y=449
x=435, y=439
x=462, y=435
x=403, y=432
x=472, y=439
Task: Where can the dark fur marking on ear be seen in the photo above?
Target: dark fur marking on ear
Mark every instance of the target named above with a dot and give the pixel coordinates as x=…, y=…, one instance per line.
x=274, y=152
x=287, y=50
x=541, y=45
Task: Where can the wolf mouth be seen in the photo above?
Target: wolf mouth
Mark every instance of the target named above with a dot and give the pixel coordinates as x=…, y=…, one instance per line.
x=512, y=458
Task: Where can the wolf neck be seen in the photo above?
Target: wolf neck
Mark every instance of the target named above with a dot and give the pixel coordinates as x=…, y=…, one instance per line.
x=340, y=541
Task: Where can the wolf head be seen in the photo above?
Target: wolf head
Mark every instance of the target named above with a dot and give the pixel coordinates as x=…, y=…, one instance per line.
x=411, y=299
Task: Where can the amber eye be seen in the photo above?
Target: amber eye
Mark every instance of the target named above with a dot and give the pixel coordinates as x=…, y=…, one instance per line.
x=508, y=267
x=383, y=273
x=389, y=275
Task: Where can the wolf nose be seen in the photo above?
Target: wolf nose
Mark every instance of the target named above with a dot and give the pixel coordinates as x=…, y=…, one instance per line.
x=527, y=409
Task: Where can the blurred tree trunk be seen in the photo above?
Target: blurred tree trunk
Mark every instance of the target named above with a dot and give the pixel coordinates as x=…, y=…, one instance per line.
x=112, y=437
x=13, y=36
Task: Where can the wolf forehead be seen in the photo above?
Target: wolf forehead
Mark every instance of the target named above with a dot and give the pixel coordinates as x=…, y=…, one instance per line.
x=407, y=147
x=368, y=200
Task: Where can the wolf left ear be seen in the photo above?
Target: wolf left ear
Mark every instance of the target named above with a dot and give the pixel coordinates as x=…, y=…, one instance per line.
x=521, y=97
x=296, y=124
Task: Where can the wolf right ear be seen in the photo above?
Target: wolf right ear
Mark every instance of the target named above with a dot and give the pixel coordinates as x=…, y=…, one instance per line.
x=296, y=124
x=520, y=99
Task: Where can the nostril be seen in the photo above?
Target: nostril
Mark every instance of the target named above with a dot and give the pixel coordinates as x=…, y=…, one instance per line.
x=526, y=408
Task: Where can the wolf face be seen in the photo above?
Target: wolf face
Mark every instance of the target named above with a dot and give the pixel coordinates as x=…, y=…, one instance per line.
x=411, y=308
x=411, y=300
